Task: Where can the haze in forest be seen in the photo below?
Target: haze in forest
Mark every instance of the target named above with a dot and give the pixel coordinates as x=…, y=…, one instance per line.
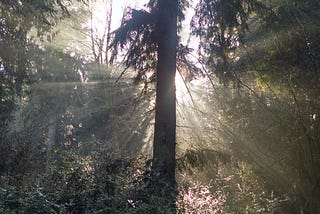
x=159, y=106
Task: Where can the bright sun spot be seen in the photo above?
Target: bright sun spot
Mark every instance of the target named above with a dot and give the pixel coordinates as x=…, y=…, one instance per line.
x=182, y=93
x=118, y=7
x=98, y=23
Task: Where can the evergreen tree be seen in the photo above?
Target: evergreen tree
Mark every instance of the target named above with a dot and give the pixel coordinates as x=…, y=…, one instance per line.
x=152, y=37
x=153, y=41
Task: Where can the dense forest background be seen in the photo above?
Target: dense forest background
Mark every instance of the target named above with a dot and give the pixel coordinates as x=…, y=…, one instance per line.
x=76, y=130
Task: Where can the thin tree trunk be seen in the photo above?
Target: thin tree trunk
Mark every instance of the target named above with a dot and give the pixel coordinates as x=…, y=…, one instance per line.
x=92, y=36
x=109, y=19
x=165, y=116
x=52, y=129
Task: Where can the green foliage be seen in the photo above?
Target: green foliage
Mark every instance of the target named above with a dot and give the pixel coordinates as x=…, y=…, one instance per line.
x=57, y=66
x=275, y=132
x=17, y=66
x=20, y=158
x=291, y=41
x=202, y=159
x=77, y=184
x=262, y=156
x=234, y=189
x=103, y=181
x=221, y=26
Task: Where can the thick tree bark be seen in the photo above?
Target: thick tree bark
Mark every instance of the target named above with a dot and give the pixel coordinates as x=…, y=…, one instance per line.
x=165, y=117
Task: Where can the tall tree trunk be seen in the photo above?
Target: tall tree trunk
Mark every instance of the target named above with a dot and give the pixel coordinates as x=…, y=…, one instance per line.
x=164, y=148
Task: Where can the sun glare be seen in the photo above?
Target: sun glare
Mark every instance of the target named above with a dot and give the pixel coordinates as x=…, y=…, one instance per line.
x=182, y=93
x=118, y=8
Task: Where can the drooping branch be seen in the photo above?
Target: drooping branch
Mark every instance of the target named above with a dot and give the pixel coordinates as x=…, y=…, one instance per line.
x=136, y=36
x=136, y=21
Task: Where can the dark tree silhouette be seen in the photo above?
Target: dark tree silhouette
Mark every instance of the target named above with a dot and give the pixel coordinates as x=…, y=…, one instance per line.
x=165, y=119
x=154, y=36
